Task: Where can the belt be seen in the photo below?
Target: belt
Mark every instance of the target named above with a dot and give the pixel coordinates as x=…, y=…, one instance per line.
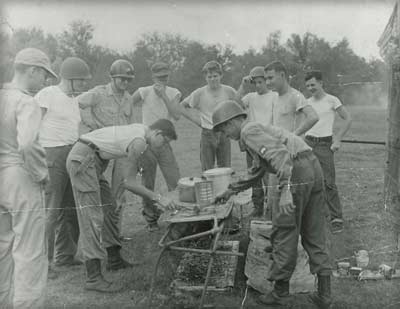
x=303, y=154
x=90, y=145
x=327, y=139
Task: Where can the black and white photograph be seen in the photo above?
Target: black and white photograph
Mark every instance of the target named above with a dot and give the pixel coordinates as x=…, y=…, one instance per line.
x=200, y=154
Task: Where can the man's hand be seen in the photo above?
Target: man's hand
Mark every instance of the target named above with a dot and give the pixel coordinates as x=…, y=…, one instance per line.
x=246, y=80
x=335, y=145
x=166, y=203
x=224, y=197
x=286, y=201
x=159, y=90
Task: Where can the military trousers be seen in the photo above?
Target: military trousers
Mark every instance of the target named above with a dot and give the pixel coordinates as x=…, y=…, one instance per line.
x=94, y=201
x=214, y=146
x=308, y=220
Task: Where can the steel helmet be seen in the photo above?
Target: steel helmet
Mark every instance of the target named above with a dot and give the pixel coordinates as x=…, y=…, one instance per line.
x=225, y=111
x=257, y=72
x=74, y=68
x=34, y=57
x=122, y=68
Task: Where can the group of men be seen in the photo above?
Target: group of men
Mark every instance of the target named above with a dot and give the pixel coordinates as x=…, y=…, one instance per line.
x=56, y=146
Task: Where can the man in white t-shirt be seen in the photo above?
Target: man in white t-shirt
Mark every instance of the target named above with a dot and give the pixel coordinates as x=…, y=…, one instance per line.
x=320, y=138
x=214, y=146
x=86, y=164
x=259, y=108
x=158, y=101
x=58, y=132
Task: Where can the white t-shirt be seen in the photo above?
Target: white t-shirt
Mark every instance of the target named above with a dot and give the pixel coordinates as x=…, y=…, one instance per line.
x=115, y=140
x=60, y=124
x=260, y=106
x=205, y=101
x=153, y=107
x=326, y=110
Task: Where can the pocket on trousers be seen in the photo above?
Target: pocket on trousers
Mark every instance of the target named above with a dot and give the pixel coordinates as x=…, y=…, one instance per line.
x=284, y=220
x=84, y=175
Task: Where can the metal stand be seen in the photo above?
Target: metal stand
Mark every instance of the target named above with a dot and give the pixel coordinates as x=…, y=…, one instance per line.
x=171, y=245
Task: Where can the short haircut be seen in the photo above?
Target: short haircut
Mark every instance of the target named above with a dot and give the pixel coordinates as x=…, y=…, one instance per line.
x=313, y=74
x=212, y=66
x=166, y=127
x=277, y=66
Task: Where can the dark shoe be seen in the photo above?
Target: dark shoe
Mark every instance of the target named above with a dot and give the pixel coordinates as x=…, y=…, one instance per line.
x=278, y=297
x=95, y=280
x=115, y=261
x=153, y=227
x=322, y=299
x=336, y=226
x=51, y=273
x=257, y=212
x=67, y=261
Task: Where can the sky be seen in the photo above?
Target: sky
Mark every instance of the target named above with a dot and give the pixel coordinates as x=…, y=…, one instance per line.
x=242, y=24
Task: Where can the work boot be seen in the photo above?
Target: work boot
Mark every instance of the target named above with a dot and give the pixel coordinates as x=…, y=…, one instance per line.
x=279, y=296
x=322, y=298
x=95, y=280
x=115, y=261
x=68, y=260
x=51, y=273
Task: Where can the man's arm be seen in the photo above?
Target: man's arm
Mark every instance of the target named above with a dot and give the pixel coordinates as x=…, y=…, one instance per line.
x=345, y=115
x=86, y=103
x=188, y=111
x=137, y=98
x=172, y=105
x=244, y=88
x=310, y=120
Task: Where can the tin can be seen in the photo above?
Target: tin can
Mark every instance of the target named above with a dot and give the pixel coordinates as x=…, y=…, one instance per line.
x=343, y=268
x=362, y=258
x=386, y=270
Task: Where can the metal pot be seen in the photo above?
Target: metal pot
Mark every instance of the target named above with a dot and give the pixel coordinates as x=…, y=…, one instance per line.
x=186, y=189
x=221, y=178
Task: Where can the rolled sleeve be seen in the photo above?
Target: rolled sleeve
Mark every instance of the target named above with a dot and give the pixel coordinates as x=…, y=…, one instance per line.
x=301, y=101
x=267, y=143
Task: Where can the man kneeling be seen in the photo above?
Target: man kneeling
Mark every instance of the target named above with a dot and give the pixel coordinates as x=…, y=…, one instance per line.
x=86, y=163
x=301, y=205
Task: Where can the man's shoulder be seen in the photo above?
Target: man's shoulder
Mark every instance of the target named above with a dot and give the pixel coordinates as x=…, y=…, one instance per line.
x=99, y=89
x=228, y=88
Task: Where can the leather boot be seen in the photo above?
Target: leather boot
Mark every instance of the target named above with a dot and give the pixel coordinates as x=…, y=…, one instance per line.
x=115, y=261
x=258, y=211
x=322, y=298
x=279, y=296
x=95, y=280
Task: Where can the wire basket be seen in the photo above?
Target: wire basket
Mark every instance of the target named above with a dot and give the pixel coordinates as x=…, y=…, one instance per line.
x=204, y=192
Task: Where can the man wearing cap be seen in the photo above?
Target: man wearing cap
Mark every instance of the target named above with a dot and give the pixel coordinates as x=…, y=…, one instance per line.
x=86, y=163
x=23, y=174
x=259, y=108
x=158, y=101
x=58, y=132
x=324, y=145
x=213, y=146
x=300, y=207
x=105, y=106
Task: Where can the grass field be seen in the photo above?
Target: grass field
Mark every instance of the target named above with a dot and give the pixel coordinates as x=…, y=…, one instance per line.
x=368, y=226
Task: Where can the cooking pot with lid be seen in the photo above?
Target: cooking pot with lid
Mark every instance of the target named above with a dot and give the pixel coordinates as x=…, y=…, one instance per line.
x=221, y=178
x=186, y=189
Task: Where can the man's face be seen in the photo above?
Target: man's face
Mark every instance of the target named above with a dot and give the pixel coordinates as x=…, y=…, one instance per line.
x=231, y=130
x=260, y=85
x=38, y=78
x=121, y=83
x=213, y=79
x=314, y=86
x=80, y=85
x=274, y=80
x=158, y=140
x=163, y=80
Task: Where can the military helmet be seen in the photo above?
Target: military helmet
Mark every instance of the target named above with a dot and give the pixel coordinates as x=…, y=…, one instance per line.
x=257, y=72
x=34, y=57
x=74, y=68
x=122, y=68
x=225, y=111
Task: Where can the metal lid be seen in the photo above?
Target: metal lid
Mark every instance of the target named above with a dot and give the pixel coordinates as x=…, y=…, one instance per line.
x=189, y=181
x=218, y=171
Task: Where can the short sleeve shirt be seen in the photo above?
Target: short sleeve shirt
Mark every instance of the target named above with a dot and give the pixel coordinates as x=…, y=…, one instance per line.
x=60, y=124
x=153, y=107
x=326, y=109
x=260, y=107
x=205, y=101
x=287, y=110
x=106, y=109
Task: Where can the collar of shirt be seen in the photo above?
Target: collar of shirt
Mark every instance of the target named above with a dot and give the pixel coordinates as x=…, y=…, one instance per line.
x=111, y=93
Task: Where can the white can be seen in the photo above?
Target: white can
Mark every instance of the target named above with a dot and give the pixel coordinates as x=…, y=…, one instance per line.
x=221, y=178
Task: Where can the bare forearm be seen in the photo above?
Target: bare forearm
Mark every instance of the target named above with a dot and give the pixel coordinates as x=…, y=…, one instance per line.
x=139, y=189
x=188, y=114
x=343, y=130
x=172, y=107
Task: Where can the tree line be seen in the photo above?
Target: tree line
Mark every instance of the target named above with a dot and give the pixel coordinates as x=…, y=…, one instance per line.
x=344, y=71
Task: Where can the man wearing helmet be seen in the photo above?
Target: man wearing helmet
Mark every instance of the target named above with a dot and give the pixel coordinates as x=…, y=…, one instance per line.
x=58, y=132
x=106, y=106
x=158, y=101
x=301, y=208
x=259, y=107
x=23, y=174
